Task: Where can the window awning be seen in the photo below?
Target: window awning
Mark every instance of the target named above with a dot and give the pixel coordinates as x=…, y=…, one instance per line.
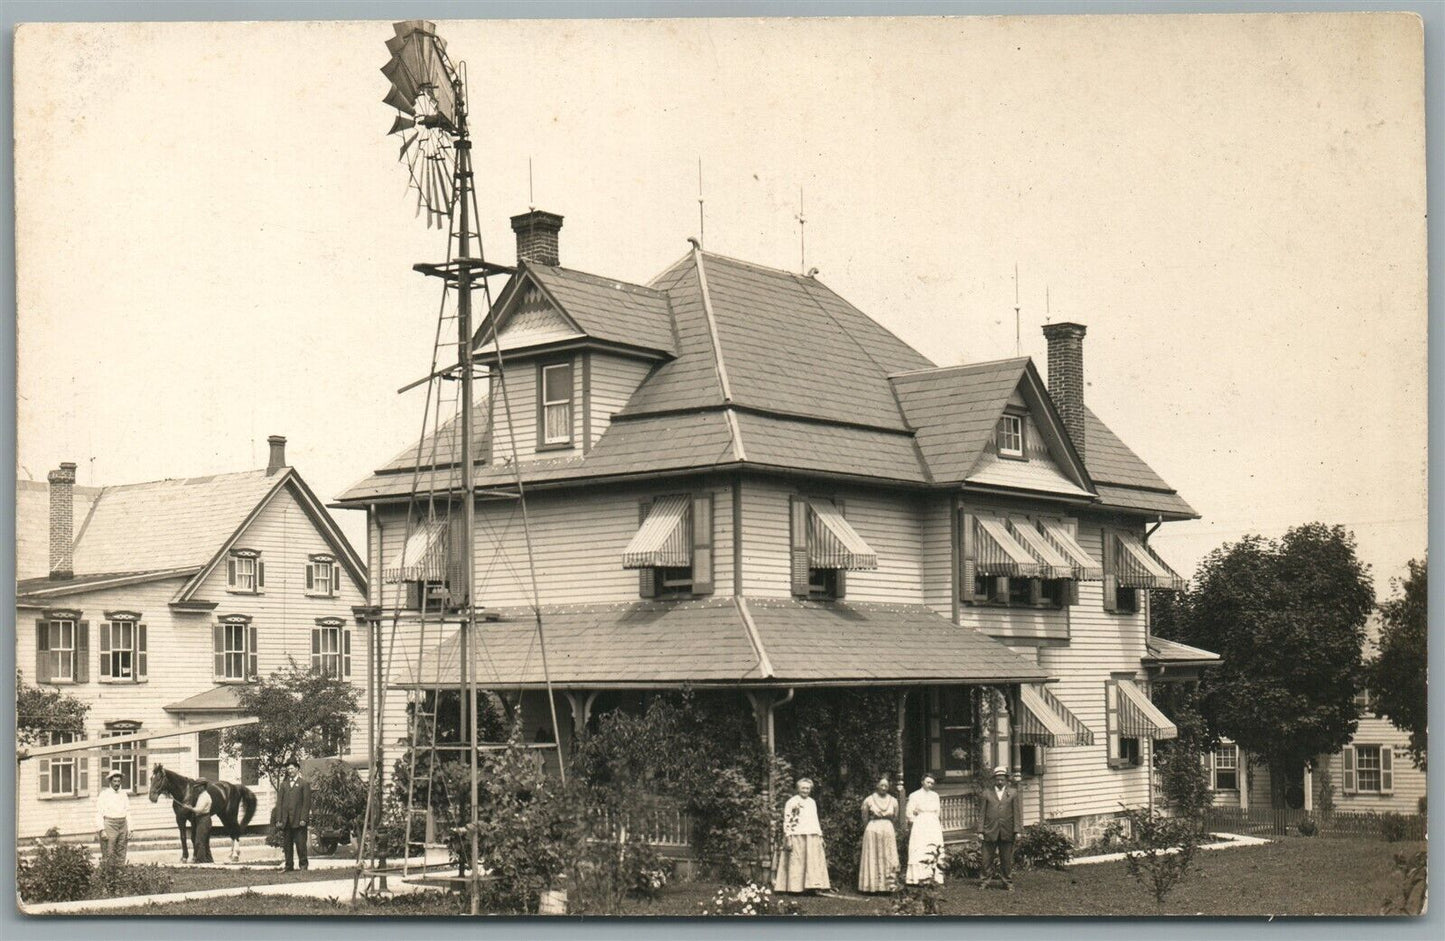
x=1053, y=563
x=664, y=540
x=833, y=543
x=1140, y=567
x=1046, y=721
x=1140, y=718
x=999, y=553
x=1086, y=567
x=424, y=555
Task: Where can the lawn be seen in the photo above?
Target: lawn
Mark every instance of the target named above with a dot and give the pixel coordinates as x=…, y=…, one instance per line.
x=192, y=879
x=1296, y=876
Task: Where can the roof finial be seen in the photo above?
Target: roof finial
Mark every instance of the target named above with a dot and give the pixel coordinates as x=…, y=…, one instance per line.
x=701, y=218
x=1018, y=343
x=802, y=235
x=531, y=199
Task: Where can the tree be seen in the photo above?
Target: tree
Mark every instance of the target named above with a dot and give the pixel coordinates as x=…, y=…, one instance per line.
x=1180, y=764
x=1396, y=677
x=303, y=713
x=1287, y=617
x=40, y=711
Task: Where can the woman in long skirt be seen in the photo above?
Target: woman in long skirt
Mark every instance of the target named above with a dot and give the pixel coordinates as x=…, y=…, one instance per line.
x=878, y=862
x=800, y=865
x=925, y=836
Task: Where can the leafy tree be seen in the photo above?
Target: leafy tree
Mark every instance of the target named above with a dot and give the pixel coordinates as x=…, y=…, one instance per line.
x=1182, y=773
x=1287, y=617
x=40, y=711
x=1396, y=678
x=303, y=714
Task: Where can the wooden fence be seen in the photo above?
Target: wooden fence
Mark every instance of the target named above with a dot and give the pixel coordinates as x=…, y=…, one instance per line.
x=1266, y=821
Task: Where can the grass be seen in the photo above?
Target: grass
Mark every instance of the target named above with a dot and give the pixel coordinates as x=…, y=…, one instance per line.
x=191, y=879
x=1296, y=876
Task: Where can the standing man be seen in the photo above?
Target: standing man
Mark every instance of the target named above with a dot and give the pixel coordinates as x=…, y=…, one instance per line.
x=1002, y=823
x=293, y=805
x=112, y=819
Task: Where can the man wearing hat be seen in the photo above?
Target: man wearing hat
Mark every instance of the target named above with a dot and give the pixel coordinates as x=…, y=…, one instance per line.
x=112, y=819
x=293, y=805
x=1002, y=823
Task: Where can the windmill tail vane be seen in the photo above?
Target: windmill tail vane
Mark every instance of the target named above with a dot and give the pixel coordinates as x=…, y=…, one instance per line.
x=426, y=91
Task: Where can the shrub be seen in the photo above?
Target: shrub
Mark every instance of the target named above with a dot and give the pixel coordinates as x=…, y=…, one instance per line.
x=113, y=878
x=1167, y=846
x=964, y=860
x=58, y=872
x=924, y=898
x=1041, y=847
x=748, y=899
x=1308, y=827
x=338, y=801
x=608, y=871
x=1394, y=827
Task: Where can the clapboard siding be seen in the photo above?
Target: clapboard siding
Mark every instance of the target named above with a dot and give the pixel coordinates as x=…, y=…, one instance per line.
x=937, y=532
x=516, y=412
x=892, y=523
x=1409, y=782
x=614, y=379
x=765, y=538
x=180, y=664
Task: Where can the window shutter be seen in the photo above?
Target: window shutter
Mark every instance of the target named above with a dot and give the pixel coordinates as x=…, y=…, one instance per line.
x=967, y=562
x=45, y=776
x=1349, y=786
x=310, y=577
x=104, y=764
x=42, y=652
x=82, y=775
x=1111, y=581
x=798, y=544
x=315, y=647
x=1111, y=721
x=702, y=534
x=1387, y=769
x=104, y=649
x=413, y=596
x=646, y=578
x=260, y=574
x=82, y=651
x=141, y=759
x=335, y=581
x=346, y=653
x=1036, y=591
x=1070, y=592
x=842, y=575
x=1213, y=772
x=252, y=654
x=218, y=634
x=230, y=573
x=140, y=652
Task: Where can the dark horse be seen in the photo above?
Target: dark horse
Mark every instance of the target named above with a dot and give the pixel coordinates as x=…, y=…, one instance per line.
x=233, y=803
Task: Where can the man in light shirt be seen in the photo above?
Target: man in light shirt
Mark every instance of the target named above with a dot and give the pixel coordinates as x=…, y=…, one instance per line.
x=112, y=819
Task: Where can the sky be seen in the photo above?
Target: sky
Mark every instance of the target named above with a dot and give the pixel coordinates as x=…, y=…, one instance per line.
x=215, y=240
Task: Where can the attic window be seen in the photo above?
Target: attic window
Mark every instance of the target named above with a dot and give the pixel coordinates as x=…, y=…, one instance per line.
x=245, y=572
x=554, y=405
x=1010, y=436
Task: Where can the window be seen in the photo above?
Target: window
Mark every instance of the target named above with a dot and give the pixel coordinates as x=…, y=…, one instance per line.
x=1127, y=601
x=1029, y=764
x=331, y=647
x=1128, y=752
x=1010, y=436
x=1367, y=767
x=954, y=729
x=1362, y=701
x=338, y=746
x=554, y=405
x=432, y=592
x=129, y=758
x=245, y=572
x=1020, y=592
x=824, y=547
x=58, y=644
x=208, y=755
x=234, y=645
x=672, y=549
x=1124, y=750
x=64, y=775
x=1226, y=768
x=250, y=770
x=122, y=648
x=323, y=576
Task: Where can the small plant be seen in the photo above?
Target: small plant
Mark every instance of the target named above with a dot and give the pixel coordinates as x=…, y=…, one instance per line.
x=1411, y=900
x=58, y=872
x=965, y=861
x=923, y=898
x=1394, y=827
x=1041, y=847
x=338, y=802
x=1326, y=803
x=1308, y=827
x=114, y=878
x=1167, y=846
x=749, y=899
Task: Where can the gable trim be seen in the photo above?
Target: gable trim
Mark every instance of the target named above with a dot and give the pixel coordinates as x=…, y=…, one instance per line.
x=489, y=330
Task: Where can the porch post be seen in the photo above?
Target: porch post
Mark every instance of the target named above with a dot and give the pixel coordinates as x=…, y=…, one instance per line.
x=1243, y=764
x=898, y=751
x=1309, y=789
x=1015, y=703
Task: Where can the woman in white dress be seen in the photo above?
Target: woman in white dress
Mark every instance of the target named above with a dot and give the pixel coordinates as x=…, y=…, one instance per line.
x=801, y=865
x=925, y=835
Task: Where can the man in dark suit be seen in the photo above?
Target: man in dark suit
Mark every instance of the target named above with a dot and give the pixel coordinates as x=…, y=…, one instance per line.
x=293, y=805
x=1002, y=824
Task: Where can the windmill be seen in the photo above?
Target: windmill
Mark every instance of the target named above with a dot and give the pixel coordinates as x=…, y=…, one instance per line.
x=429, y=95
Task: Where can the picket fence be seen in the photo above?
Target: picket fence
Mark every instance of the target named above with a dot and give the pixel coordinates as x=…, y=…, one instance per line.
x=1267, y=821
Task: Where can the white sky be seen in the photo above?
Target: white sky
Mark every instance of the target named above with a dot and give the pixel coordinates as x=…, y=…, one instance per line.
x=215, y=240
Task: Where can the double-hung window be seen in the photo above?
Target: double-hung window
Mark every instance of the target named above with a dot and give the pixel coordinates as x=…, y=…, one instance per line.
x=1369, y=769
x=66, y=774
x=245, y=572
x=331, y=647
x=62, y=648
x=129, y=758
x=323, y=576
x=1225, y=772
x=554, y=405
x=673, y=546
x=234, y=645
x=824, y=547
x=1009, y=437
x=122, y=648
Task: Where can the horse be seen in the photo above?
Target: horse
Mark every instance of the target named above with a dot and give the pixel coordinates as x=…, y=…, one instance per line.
x=235, y=804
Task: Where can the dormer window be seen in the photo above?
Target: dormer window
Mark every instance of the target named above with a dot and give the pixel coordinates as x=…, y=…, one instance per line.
x=1010, y=437
x=554, y=405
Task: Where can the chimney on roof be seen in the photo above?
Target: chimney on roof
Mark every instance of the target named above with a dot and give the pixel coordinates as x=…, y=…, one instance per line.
x=62, y=521
x=537, y=236
x=1066, y=376
x=278, y=454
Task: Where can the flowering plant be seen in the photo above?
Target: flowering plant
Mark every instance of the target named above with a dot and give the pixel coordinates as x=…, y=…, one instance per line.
x=749, y=899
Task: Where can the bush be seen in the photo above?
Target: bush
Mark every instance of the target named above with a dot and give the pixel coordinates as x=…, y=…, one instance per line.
x=1167, y=846
x=748, y=899
x=1394, y=827
x=114, y=878
x=924, y=898
x=338, y=801
x=964, y=860
x=1041, y=847
x=58, y=872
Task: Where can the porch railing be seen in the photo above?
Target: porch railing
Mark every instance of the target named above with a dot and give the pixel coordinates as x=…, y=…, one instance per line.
x=660, y=823
x=958, y=812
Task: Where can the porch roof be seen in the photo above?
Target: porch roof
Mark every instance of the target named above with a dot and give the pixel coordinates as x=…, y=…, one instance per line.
x=216, y=699
x=722, y=641
x=1170, y=652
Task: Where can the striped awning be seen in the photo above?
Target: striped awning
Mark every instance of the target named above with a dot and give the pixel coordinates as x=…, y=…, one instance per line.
x=664, y=540
x=1140, y=567
x=999, y=553
x=1046, y=721
x=1140, y=718
x=423, y=556
x=833, y=543
x=1053, y=561
x=1086, y=567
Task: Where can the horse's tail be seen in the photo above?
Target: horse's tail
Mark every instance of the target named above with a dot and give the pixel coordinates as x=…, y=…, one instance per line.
x=248, y=803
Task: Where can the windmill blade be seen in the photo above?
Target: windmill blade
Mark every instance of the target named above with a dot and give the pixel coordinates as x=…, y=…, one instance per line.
x=401, y=124
x=399, y=101
x=406, y=144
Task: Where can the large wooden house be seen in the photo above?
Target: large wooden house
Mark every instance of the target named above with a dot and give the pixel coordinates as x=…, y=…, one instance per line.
x=737, y=480
x=160, y=600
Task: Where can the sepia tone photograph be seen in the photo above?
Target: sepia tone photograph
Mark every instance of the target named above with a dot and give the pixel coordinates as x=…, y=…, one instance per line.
x=832, y=467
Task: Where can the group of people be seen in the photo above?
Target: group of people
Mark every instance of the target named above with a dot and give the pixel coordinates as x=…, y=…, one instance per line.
x=288, y=817
x=802, y=866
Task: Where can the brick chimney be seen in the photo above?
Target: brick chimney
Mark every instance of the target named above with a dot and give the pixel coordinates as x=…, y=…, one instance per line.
x=278, y=454
x=537, y=236
x=1066, y=376
x=62, y=521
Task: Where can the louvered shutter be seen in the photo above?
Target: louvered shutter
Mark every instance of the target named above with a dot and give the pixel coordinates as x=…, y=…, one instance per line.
x=646, y=577
x=335, y=581
x=104, y=649
x=82, y=775
x=260, y=574
x=252, y=654
x=1111, y=721
x=1387, y=769
x=218, y=633
x=104, y=764
x=798, y=544
x=141, y=770
x=1348, y=785
x=1070, y=591
x=413, y=596
x=842, y=574
x=315, y=648
x=1111, y=578
x=346, y=653
x=1213, y=772
x=967, y=561
x=702, y=536
x=42, y=652
x=82, y=651
x=44, y=776
x=140, y=653
x=310, y=577
x=230, y=573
